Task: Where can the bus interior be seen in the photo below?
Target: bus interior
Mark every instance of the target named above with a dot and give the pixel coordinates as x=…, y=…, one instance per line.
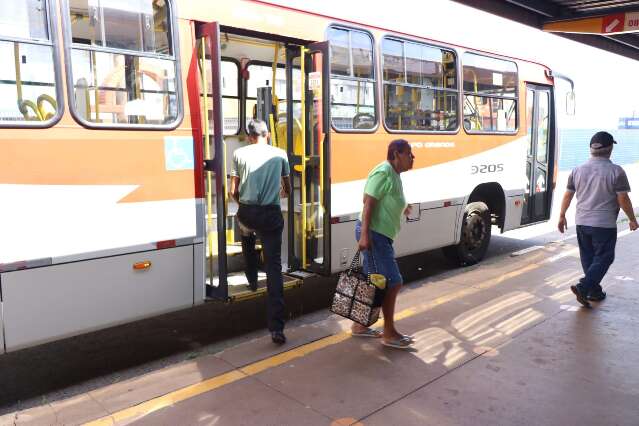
x=262, y=78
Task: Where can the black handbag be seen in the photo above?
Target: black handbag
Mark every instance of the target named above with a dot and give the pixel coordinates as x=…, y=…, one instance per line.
x=356, y=297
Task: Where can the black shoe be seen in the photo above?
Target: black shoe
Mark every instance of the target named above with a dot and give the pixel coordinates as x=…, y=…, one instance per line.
x=252, y=286
x=597, y=297
x=278, y=337
x=581, y=298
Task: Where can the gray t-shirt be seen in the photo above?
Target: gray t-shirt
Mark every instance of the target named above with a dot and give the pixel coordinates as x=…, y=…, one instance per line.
x=596, y=184
x=260, y=168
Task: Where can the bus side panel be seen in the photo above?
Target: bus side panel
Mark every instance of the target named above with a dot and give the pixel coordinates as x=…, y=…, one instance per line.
x=430, y=229
x=514, y=208
x=1, y=319
x=198, y=273
x=49, y=303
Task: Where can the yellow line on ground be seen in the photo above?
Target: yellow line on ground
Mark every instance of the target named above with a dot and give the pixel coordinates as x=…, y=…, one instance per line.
x=148, y=407
x=169, y=399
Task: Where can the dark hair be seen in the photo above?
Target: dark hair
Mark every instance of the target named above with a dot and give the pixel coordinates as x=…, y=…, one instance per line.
x=398, y=145
x=257, y=128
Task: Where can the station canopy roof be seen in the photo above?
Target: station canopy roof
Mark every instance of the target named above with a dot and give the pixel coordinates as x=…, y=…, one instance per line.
x=612, y=25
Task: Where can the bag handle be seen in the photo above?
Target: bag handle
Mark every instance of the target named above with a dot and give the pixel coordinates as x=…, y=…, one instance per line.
x=355, y=263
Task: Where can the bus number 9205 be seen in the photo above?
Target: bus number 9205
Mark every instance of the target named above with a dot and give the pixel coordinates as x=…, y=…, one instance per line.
x=487, y=168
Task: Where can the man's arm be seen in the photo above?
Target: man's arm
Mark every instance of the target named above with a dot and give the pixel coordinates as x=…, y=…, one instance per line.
x=565, y=203
x=234, y=190
x=286, y=186
x=626, y=206
x=364, y=242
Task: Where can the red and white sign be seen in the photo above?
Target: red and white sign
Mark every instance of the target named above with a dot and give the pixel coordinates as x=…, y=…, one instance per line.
x=613, y=23
x=620, y=23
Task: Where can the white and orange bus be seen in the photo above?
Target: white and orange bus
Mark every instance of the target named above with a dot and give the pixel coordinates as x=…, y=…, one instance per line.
x=109, y=110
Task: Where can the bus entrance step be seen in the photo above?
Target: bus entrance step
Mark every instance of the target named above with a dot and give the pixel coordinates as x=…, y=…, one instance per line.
x=239, y=289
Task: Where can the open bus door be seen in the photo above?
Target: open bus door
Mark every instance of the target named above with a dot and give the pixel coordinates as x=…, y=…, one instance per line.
x=540, y=159
x=309, y=204
x=209, y=67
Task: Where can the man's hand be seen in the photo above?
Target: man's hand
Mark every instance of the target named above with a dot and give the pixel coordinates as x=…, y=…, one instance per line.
x=563, y=224
x=634, y=225
x=408, y=210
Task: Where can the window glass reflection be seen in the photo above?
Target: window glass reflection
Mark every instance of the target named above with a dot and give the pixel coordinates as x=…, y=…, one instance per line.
x=124, y=89
x=24, y=19
x=27, y=84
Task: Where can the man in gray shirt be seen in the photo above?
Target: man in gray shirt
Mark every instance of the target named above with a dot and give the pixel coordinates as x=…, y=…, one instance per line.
x=259, y=172
x=602, y=188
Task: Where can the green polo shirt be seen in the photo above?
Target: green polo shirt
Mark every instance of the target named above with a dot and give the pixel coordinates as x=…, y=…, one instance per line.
x=384, y=184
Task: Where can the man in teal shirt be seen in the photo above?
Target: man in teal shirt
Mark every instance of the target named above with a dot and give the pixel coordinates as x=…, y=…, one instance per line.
x=259, y=172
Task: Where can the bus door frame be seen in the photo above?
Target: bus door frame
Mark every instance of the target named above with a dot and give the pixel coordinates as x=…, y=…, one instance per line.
x=536, y=167
x=214, y=166
x=292, y=53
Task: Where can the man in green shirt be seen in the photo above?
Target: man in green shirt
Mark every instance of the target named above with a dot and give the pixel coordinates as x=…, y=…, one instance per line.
x=259, y=172
x=379, y=224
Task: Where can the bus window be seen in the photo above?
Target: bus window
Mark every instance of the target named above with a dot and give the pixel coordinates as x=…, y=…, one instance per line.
x=123, y=68
x=490, y=94
x=27, y=72
x=230, y=95
x=261, y=76
x=420, y=87
x=352, y=80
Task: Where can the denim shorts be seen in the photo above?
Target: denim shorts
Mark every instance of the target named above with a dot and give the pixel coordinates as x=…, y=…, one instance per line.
x=383, y=255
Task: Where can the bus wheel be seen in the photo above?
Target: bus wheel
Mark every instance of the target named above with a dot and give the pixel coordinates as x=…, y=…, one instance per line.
x=475, y=236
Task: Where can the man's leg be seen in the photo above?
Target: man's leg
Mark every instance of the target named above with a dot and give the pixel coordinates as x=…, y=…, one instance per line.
x=272, y=242
x=604, y=241
x=271, y=227
x=586, y=251
x=250, y=259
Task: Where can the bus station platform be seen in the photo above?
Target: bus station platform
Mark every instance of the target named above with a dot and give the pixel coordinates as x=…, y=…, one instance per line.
x=503, y=342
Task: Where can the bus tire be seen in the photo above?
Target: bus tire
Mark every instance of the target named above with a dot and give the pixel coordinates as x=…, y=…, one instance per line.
x=475, y=236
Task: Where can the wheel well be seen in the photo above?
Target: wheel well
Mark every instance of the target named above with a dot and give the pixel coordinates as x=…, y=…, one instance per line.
x=493, y=195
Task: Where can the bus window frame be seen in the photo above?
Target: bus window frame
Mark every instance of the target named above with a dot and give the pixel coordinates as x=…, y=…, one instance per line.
x=374, y=81
x=175, y=58
x=515, y=98
x=239, y=94
x=458, y=87
x=54, y=43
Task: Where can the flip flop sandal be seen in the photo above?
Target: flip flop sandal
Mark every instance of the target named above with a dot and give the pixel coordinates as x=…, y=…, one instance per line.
x=369, y=332
x=406, y=336
x=403, y=342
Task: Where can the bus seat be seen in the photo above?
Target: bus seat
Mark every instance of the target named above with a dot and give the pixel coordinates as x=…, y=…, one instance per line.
x=363, y=120
x=297, y=137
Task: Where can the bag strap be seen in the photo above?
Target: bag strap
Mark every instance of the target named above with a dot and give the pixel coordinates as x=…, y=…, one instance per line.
x=355, y=263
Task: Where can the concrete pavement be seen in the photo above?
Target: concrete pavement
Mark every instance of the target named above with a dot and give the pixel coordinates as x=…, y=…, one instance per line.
x=503, y=342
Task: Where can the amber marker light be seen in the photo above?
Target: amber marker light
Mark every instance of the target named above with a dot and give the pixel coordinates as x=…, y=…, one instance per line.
x=139, y=266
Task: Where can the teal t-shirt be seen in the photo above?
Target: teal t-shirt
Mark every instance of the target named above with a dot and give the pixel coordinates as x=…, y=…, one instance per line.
x=260, y=168
x=385, y=185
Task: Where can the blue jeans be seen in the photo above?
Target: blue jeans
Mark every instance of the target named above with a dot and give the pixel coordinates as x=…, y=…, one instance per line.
x=268, y=223
x=383, y=256
x=597, y=252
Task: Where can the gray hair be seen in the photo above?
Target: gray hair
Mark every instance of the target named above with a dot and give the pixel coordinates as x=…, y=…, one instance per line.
x=257, y=128
x=605, y=151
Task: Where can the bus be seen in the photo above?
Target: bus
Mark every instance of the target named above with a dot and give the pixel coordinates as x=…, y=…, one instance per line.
x=119, y=121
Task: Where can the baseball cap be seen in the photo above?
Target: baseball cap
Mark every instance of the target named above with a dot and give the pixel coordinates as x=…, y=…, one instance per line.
x=601, y=140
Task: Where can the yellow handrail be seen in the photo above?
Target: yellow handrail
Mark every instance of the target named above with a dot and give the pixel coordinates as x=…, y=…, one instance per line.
x=46, y=98
x=207, y=150
x=303, y=126
x=95, y=81
x=276, y=100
